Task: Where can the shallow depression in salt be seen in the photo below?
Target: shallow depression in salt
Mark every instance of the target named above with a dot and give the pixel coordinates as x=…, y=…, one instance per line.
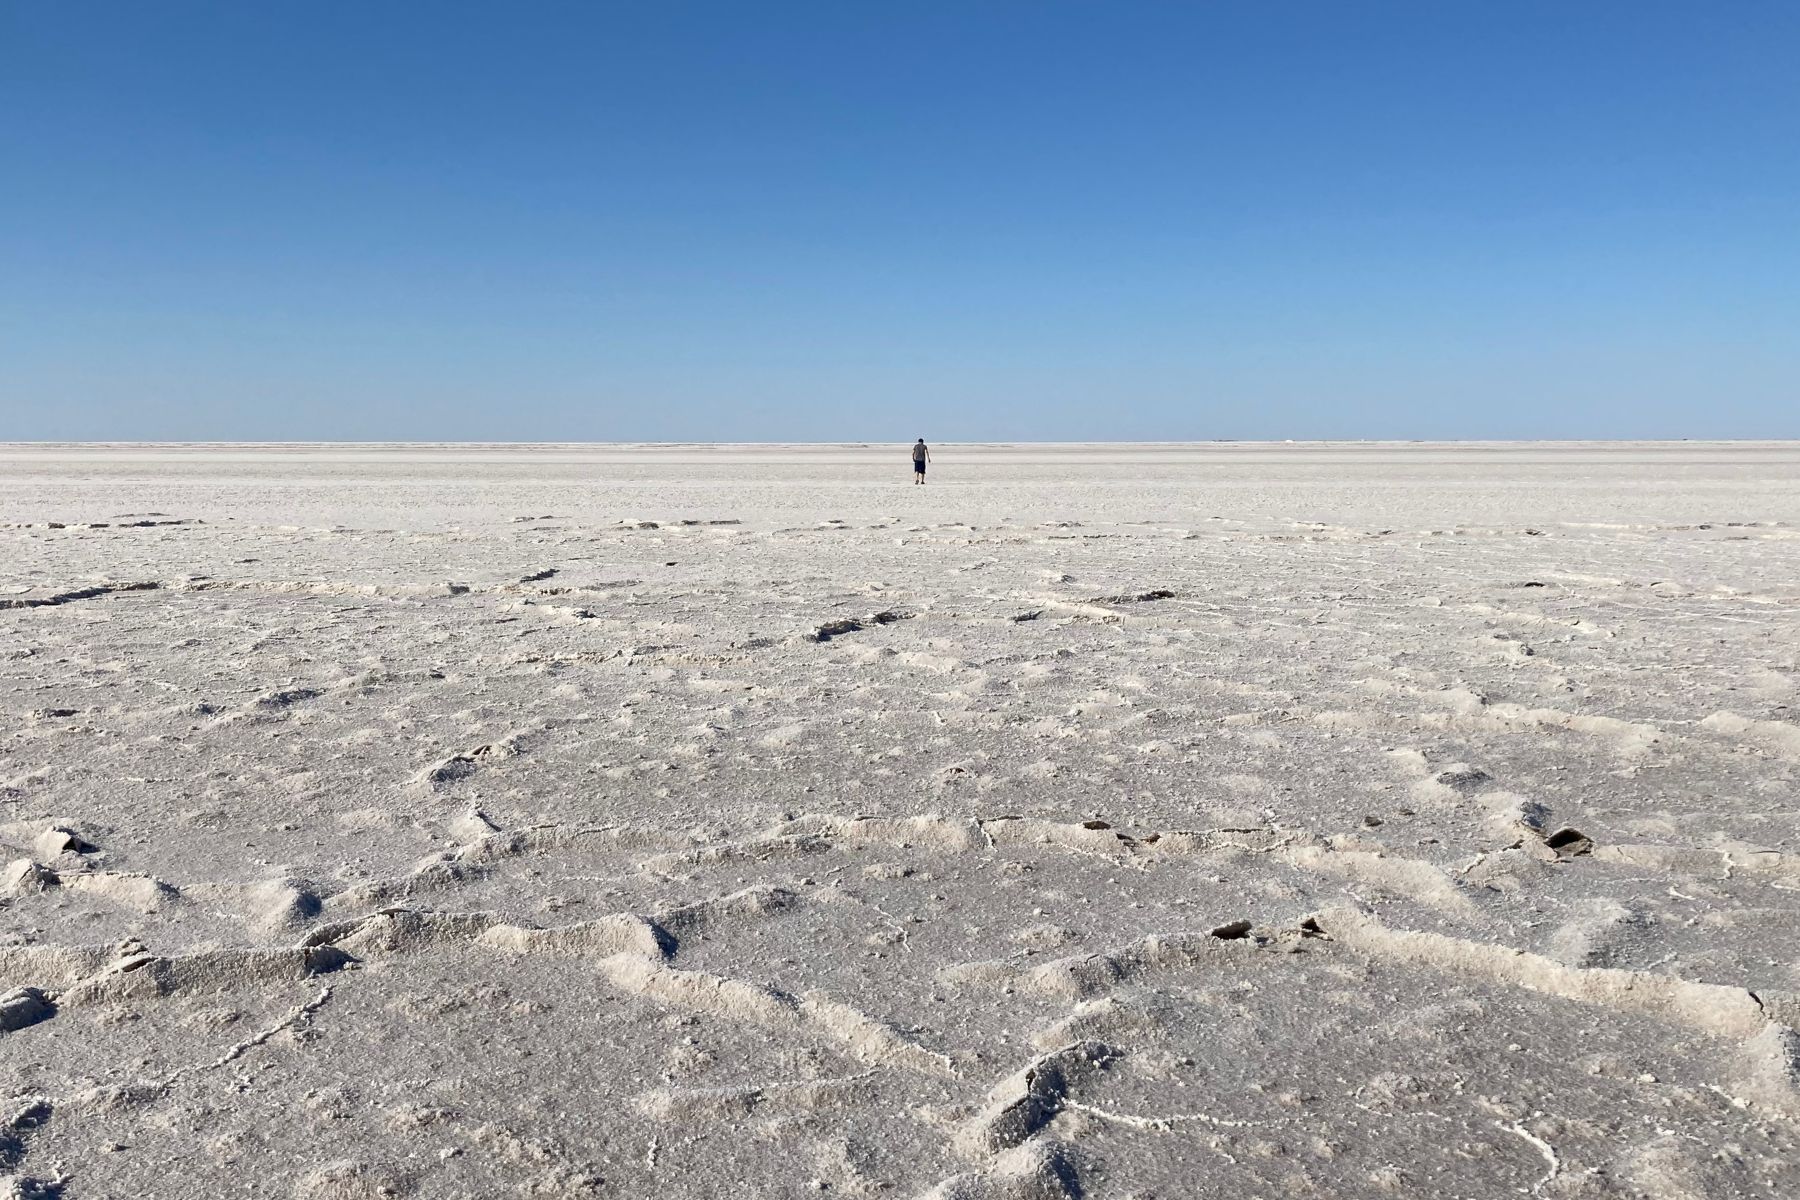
x=1118, y=821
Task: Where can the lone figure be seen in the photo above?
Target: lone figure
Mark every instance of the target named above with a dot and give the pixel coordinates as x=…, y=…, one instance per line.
x=921, y=456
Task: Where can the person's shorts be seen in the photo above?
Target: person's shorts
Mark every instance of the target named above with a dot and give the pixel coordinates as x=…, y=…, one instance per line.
x=918, y=468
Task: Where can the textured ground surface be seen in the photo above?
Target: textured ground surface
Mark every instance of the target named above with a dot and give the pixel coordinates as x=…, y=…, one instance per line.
x=1232, y=821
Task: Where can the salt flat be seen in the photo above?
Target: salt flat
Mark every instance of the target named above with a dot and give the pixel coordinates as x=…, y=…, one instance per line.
x=1110, y=821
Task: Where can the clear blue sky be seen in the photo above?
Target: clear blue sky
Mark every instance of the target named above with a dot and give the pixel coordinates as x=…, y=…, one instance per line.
x=846, y=220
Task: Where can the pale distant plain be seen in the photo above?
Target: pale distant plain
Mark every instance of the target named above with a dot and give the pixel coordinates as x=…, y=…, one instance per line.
x=1097, y=820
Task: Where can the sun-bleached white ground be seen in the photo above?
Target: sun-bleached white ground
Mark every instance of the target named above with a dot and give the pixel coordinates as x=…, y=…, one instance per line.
x=1156, y=821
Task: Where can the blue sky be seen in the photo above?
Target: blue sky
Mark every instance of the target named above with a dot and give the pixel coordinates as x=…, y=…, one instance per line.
x=849, y=221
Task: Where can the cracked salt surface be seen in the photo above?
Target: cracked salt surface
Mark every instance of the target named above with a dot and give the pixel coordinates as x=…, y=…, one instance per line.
x=1103, y=821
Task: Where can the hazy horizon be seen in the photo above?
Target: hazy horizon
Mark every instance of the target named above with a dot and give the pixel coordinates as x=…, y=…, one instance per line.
x=898, y=444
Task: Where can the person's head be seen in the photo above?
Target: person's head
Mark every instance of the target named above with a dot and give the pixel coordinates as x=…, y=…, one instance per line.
x=921, y=441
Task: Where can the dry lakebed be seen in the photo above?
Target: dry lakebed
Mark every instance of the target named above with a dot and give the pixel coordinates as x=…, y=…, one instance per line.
x=1151, y=821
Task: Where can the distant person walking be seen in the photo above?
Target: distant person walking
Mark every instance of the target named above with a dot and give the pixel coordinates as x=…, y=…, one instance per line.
x=921, y=456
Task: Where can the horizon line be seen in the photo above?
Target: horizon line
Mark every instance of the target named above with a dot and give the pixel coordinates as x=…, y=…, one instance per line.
x=873, y=442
